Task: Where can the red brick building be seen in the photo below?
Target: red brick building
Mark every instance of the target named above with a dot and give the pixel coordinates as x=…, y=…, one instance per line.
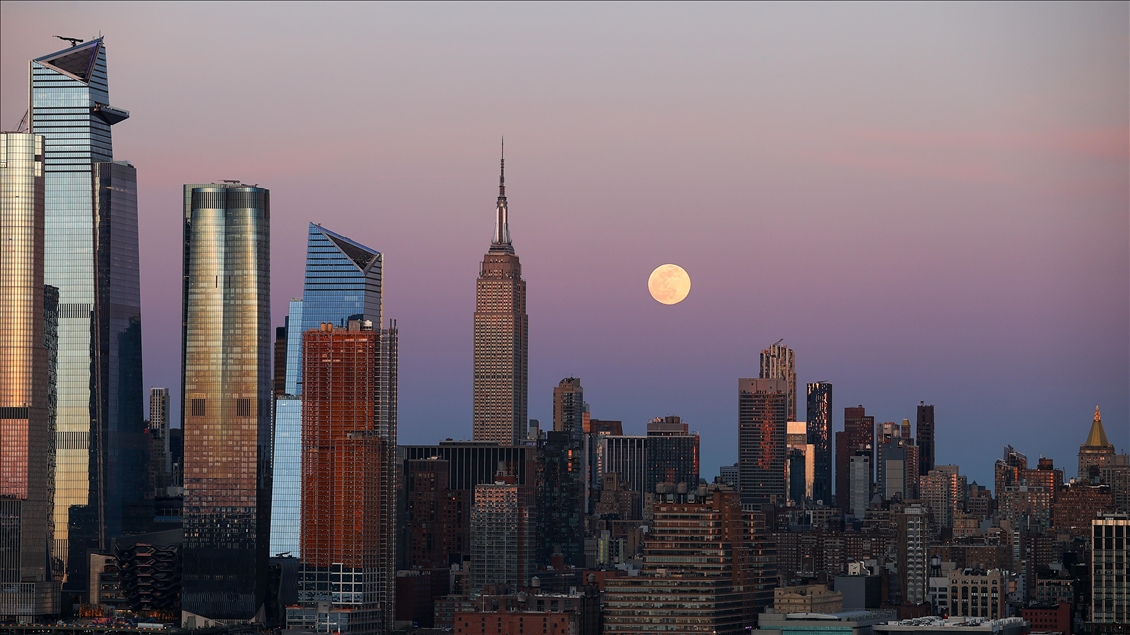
x=1048, y=618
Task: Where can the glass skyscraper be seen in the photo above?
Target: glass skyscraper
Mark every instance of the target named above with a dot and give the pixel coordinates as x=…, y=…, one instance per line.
x=69, y=106
x=819, y=434
x=27, y=413
x=226, y=408
x=343, y=282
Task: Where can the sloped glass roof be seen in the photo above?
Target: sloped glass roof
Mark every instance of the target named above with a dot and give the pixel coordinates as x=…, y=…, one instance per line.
x=77, y=61
x=358, y=253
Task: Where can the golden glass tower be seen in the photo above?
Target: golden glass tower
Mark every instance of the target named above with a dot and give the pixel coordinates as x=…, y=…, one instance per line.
x=27, y=399
x=501, y=335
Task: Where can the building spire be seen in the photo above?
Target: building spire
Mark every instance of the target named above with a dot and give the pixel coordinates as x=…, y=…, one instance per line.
x=1097, y=437
x=501, y=241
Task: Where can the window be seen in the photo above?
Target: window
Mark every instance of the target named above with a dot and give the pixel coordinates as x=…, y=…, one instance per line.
x=198, y=409
x=243, y=407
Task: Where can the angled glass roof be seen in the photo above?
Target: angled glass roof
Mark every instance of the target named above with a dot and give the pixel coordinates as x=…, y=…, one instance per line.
x=358, y=253
x=77, y=61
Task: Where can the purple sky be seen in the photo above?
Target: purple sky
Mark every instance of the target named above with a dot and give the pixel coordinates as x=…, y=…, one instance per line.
x=927, y=202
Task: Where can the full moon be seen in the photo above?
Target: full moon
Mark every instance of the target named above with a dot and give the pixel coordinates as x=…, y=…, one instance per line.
x=669, y=284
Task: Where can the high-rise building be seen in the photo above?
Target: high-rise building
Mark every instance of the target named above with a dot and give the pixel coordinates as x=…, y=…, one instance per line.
x=343, y=282
x=858, y=437
x=801, y=464
x=943, y=490
x=707, y=567
x=434, y=515
x=28, y=334
x=672, y=453
x=472, y=463
x=762, y=429
x=564, y=477
x=124, y=501
x=501, y=335
x=896, y=462
x=626, y=455
x=779, y=362
x=820, y=436
x=70, y=109
x=347, y=542
x=159, y=424
x=924, y=430
x=859, y=482
x=500, y=536
x=1096, y=451
x=1110, y=566
x=913, y=540
x=226, y=408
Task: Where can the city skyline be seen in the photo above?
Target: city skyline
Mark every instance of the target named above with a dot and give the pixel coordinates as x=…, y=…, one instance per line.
x=1012, y=251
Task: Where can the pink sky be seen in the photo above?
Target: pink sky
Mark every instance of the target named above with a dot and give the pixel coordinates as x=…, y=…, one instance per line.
x=927, y=202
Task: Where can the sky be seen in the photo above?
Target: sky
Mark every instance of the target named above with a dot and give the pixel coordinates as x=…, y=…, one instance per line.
x=927, y=202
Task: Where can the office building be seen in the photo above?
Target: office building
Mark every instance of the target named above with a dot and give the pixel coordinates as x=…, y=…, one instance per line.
x=28, y=349
x=672, y=453
x=857, y=438
x=779, y=362
x=943, y=491
x=70, y=109
x=626, y=456
x=801, y=464
x=473, y=463
x=762, y=428
x=564, y=477
x=226, y=411
x=820, y=436
x=1110, y=568
x=924, y=431
x=124, y=502
x=913, y=532
x=343, y=281
x=703, y=555
x=500, y=536
x=978, y=593
x=1096, y=452
x=159, y=429
x=435, y=515
x=859, y=481
x=501, y=374
x=896, y=462
x=347, y=543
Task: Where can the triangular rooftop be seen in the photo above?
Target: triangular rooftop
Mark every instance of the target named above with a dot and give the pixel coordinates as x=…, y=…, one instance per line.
x=1097, y=436
x=361, y=255
x=77, y=61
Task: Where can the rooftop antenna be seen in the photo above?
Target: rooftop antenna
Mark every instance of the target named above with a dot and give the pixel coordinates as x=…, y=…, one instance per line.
x=73, y=40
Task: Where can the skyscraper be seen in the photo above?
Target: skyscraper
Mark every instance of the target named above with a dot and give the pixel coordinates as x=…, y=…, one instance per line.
x=564, y=470
x=347, y=545
x=779, y=362
x=857, y=438
x=119, y=454
x=672, y=453
x=27, y=389
x=501, y=334
x=160, y=457
x=924, y=430
x=226, y=401
x=499, y=535
x=820, y=436
x=70, y=109
x=762, y=430
x=343, y=282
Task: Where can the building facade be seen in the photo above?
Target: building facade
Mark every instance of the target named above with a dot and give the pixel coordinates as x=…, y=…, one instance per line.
x=762, y=430
x=1110, y=568
x=1096, y=452
x=70, y=109
x=924, y=431
x=913, y=529
x=819, y=425
x=779, y=362
x=501, y=373
x=857, y=438
x=226, y=407
x=28, y=349
x=500, y=536
x=347, y=542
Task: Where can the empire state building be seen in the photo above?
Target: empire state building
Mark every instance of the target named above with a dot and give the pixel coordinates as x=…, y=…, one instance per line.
x=501, y=336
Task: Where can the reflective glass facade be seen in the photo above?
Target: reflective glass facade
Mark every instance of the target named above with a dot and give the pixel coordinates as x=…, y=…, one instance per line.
x=28, y=321
x=762, y=432
x=69, y=107
x=819, y=433
x=286, y=489
x=119, y=460
x=227, y=401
